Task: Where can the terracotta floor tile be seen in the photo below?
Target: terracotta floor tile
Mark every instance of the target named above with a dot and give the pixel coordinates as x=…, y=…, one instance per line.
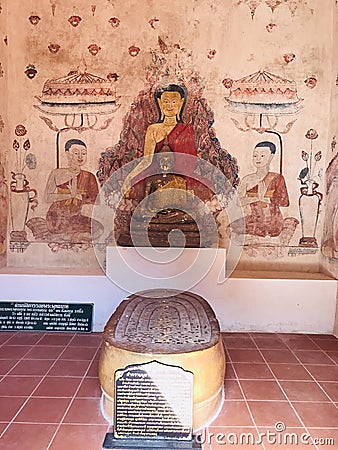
x=233, y=413
x=4, y=336
x=44, y=352
x=32, y=367
x=57, y=387
x=279, y=356
x=229, y=371
x=9, y=406
x=25, y=338
x=333, y=356
x=78, y=353
x=3, y=426
x=90, y=387
x=317, y=414
x=55, y=340
x=232, y=390
x=245, y=355
x=323, y=373
x=262, y=390
x=267, y=414
x=238, y=342
x=6, y=365
x=253, y=371
x=14, y=351
x=300, y=342
x=304, y=391
x=273, y=342
x=86, y=411
x=290, y=372
x=68, y=368
x=87, y=340
x=319, y=337
x=331, y=388
x=313, y=357
x=27, y=436
x=93, y=369
x=328, y=345
x=43, y=410
x=76, y=437
x=18, y=386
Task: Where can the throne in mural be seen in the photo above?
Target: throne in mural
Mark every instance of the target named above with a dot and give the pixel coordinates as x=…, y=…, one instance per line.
x=193, y=135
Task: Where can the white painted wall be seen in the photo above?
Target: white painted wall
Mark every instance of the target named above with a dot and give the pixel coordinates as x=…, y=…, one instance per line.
x=244, y=302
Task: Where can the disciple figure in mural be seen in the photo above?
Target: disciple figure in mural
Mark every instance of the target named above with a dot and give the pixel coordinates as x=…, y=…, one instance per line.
x=72, y=192
x=262, y=193
x=171, y=131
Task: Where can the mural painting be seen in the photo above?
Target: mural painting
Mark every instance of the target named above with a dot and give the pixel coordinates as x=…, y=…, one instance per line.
x=330, y=234
x=174, y=118
x=4, y=203
x=263, y=100
x=269, y=102
x=310, y=199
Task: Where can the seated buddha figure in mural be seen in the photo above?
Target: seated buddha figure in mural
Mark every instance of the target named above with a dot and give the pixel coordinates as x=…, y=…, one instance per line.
x=169, y=131
x=262, y=194
x=72, y=193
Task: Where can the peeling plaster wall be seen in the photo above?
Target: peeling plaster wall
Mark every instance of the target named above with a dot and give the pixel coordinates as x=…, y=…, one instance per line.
x=217, y=42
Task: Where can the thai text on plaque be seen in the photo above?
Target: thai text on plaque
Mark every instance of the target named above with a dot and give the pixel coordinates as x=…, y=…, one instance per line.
x=153, y=400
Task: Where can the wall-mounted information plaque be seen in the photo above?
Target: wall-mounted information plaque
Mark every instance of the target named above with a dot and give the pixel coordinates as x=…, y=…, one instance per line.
x=26, y=316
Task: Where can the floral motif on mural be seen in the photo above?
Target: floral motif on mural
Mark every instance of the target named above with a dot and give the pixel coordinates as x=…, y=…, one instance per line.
x=54, y=48
x=153, y=21
x=293, y=5
x=114, y=22
x=311, y=82
x=31, y=71
x=1, y=71
x=22, y=196
x=289, y=57
x=310, y=199
x=53, y=6
x=2, y=124
x=211, y=54
x=93, y=8
x=94, y=49
x=74, y=20
x=4, y=210
x=34, y=19
x=133, y=50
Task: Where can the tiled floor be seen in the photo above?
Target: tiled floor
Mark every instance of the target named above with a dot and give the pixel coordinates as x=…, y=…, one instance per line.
x=49, y=392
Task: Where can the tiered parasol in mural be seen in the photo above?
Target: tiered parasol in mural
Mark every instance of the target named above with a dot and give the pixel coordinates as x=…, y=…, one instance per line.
x=80, y=100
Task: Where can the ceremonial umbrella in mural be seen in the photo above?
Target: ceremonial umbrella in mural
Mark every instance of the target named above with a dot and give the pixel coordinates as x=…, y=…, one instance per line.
x=262, y=97
x=77, y=102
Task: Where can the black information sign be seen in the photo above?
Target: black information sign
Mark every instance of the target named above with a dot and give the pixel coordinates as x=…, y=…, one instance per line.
x=153, y=400
x=26, y=316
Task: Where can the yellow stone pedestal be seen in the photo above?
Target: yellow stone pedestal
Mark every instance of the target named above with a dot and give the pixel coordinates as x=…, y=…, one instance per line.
x=176, y=328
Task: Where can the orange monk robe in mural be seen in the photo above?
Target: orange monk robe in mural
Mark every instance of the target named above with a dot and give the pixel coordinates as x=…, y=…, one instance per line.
x=65, y=216
x=265, y=217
